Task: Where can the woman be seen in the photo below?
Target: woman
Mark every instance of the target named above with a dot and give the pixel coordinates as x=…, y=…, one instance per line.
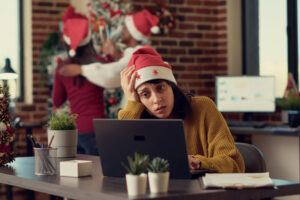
x=86, y=99
x=151, y=91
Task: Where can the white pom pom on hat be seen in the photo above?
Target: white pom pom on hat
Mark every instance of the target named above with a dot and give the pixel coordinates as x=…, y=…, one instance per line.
x=140, y=25
x=76, y=30
x=155, y=30
x=72, y=52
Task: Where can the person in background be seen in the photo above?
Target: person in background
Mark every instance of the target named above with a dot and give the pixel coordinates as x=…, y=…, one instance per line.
x=152, y=92
x=138, y=28
x=86, y=99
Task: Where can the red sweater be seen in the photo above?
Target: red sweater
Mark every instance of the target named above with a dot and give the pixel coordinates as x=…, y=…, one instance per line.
x=87, y=101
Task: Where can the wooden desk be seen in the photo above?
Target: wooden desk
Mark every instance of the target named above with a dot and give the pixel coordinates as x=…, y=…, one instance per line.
x=281, y=150
x=21, y=174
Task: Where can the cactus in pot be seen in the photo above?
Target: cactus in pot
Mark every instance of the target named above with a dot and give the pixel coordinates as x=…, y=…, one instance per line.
x=136, y=178
x=158, y=172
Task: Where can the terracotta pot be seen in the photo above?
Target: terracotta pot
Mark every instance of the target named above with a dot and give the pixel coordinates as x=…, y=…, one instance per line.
x=159, y=182
x=65, y=141
x=136, y=184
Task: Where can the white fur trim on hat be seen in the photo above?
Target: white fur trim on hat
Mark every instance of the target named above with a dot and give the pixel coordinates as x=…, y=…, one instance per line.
x=132, y=29
x=153, y=72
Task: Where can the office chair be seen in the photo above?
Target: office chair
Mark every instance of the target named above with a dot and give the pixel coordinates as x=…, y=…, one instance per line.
x=253, y=157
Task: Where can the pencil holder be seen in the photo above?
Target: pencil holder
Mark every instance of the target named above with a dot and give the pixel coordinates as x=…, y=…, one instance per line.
x=45, y=161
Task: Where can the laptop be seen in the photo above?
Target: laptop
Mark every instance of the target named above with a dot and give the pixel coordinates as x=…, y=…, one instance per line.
x=117, y=139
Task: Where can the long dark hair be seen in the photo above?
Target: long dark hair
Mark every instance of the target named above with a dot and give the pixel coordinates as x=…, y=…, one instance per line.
x=182, y=102
x=84, y=55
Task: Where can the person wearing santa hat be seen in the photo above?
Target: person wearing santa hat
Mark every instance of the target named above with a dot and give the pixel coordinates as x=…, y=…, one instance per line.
x=86, y=99
x=137, y=30
x=152, y=92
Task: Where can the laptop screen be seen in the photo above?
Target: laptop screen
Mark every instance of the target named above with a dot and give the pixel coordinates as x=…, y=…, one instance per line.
x=117, y=139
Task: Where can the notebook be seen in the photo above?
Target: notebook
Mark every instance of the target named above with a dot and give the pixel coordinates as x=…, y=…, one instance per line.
x=117, y=139
x=237, y=180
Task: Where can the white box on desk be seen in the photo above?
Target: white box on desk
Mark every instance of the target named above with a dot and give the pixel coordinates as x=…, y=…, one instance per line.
x=76, y=168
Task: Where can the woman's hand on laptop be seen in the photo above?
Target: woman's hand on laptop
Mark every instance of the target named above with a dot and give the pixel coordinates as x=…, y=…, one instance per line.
x=128, y=81
x=194, y=162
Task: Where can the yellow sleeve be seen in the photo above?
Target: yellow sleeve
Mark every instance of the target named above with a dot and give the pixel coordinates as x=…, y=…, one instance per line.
x=132, y=110
x=222, y=155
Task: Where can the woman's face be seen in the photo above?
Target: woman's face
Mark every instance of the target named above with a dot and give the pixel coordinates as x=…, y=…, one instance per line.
x=158, y=98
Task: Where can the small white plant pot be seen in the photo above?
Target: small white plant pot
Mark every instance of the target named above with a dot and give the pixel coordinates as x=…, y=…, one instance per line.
x=136, y=184
x=159, y=182
x=65, y=141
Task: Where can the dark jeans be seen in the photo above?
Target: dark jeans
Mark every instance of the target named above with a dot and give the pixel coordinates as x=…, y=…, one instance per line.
x=87, y=144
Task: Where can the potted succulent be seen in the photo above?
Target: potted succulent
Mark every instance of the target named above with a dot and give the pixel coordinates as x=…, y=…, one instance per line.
x=158, y=174
x=62, y=134
x=291, y=107
x=136, y=178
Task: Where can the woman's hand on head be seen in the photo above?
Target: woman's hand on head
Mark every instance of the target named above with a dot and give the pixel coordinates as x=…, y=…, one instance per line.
x=127, y=82
x=194, y=162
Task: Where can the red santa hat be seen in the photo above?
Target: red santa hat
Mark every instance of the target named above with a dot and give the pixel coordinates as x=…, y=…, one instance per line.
x=150, y=66
x=76, y=31
x=142, y=24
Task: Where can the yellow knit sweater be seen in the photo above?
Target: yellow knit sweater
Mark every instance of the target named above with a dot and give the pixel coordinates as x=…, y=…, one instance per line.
x=206, y=133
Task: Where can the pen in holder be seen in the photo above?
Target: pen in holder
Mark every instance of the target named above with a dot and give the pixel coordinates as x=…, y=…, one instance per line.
x=45, y=161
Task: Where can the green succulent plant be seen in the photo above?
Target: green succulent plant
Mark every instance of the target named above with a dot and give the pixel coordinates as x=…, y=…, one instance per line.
x=62, y=121
x=291, y=102
x=159, y=165
x=138, y=165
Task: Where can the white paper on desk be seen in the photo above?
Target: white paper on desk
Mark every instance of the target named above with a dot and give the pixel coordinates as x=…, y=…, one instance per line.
x=237, y=180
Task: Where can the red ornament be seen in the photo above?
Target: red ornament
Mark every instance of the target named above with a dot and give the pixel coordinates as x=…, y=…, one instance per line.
x=58, y=60
x=112, y=101
x=105, y=5
x=115, y=12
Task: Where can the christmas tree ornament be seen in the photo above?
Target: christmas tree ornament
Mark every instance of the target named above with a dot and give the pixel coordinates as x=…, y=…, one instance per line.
x=112, y=100
x=107, y=18
x=167, y=18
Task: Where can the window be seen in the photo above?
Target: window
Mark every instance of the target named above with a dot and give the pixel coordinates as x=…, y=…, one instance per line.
x=273, y=42
x=270, y=44
x=11, y=44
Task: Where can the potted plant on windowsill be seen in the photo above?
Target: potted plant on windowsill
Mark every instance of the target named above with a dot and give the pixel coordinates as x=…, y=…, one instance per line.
x=62, y=134
x=136, y=178
x=158, y=174
x=291, y=104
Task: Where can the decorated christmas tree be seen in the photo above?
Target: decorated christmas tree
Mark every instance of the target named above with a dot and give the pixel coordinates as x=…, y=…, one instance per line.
x=6, y=132
x=107, y=20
